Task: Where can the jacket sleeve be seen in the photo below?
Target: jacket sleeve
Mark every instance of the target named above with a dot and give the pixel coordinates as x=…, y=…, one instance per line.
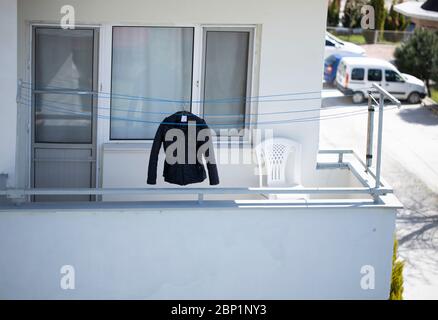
x=153, y=158
x=213, y=175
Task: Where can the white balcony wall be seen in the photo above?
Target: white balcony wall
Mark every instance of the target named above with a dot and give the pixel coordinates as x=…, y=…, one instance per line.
x=8, y=86
x=129, y=168
x=198, y=252
x=134, y=158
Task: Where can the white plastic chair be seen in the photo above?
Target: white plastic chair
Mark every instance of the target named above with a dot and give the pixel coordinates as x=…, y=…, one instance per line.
x=274, y=154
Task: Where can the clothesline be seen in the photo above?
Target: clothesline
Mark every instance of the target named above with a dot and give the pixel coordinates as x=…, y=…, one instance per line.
x=262, y=98
x=61, y=110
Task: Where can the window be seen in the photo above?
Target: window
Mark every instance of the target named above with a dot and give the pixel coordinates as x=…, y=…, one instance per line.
x=357, y=74
x=374, y=75
x=226, y=82
x=329, y=43
x=392, y=76
x=151, y=78
x=63, y=85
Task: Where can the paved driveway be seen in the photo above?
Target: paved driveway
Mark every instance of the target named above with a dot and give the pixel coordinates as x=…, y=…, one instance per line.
x=380, y=51
x=410, y=165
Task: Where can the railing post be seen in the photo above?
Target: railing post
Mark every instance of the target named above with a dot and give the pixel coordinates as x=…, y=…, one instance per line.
x=370, y=133
x=379, y=140
x=383, y=93
x=200, y=198
x=340, y=157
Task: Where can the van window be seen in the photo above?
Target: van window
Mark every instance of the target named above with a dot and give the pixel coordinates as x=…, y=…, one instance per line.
x=329, y=43
x=357, y=74
x=392, y=76
x=374, y=75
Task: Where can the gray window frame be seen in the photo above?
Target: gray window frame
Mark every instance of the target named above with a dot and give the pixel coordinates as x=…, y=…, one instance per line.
x=45, y=145
x=249, y=82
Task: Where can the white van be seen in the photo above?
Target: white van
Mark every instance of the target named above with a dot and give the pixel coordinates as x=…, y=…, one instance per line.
x=357, y=74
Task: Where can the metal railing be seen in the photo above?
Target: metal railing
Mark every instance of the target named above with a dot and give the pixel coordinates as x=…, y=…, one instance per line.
x=16, y=193
x=20, y=194
x=383, y=94
x=375, y=191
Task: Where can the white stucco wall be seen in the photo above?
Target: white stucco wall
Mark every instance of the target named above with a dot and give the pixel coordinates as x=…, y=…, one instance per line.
x=289, y=52
x=8, y=85
x=135, y=157
x=201, y=251
x=197, y=252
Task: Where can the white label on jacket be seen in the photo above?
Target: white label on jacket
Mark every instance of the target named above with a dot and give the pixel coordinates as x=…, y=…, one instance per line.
x=183, y=118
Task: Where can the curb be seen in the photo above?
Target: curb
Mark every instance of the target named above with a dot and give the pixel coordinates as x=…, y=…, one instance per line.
x=431, y=105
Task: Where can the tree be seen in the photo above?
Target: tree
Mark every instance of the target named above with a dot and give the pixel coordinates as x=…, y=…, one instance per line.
x=379, y=13
x=333, y=13
x=419, y=56
x=395, y=21
x=352, y=13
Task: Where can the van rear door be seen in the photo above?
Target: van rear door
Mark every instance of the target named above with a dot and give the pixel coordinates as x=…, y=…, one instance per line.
x=341, y=74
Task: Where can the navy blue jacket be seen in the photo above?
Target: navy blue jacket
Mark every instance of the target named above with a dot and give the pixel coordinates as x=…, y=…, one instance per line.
x=190, y=169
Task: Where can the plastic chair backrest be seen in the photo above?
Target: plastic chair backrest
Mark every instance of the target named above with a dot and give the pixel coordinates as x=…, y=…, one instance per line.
x=274, y=154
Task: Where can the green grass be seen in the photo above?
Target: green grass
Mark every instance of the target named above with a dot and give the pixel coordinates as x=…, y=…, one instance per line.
x=434, y=92
x=360, y=39
x=354, y=38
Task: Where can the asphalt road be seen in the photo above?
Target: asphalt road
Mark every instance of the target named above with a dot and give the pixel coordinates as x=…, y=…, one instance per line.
x=410, y=165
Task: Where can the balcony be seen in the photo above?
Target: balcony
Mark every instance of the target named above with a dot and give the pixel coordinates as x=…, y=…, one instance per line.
x=224, y=243
x=331, y=239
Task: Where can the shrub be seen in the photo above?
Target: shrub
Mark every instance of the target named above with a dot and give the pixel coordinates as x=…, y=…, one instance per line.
x=333, y=13
x=379, y=13
x=352, y=15
x=419, y=56
x=397, y=276
x=395, y=21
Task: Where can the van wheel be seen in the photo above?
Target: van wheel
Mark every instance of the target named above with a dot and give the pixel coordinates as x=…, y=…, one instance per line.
x=414, y=98
x=358, y=97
